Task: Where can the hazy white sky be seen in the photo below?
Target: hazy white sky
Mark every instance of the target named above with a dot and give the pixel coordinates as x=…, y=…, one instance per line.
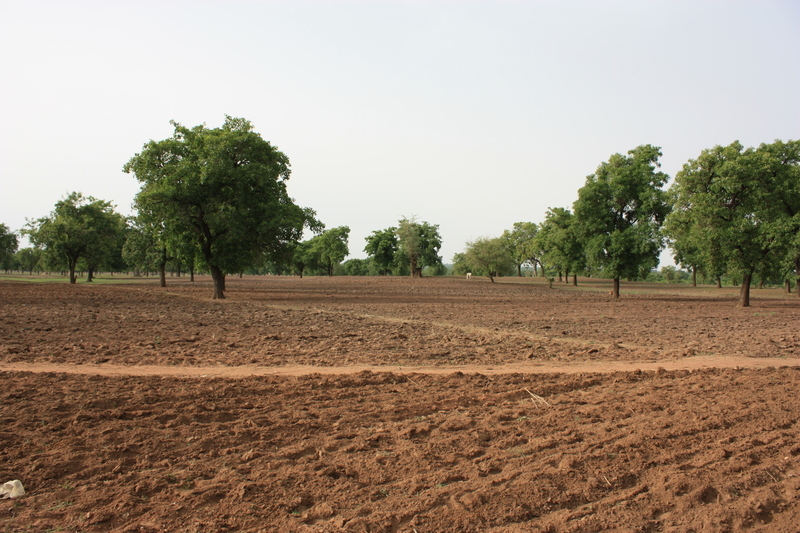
x=470, y=115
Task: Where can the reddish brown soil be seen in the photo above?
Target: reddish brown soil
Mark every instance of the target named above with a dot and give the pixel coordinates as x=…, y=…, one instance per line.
x=218, y=429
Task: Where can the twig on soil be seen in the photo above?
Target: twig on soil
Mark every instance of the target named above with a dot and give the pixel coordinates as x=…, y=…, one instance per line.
x=607, y=481
x=537, y=399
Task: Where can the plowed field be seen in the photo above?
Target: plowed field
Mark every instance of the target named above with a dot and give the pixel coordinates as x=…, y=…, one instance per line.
x=398, y=405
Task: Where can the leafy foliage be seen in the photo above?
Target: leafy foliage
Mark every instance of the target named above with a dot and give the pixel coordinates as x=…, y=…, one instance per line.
x=736, y=210
x=356, y=267
x=419, y=243
x=79, y=228
x=331, y=247
x=489, y=257
x=223, y=188
x=559, y=242
x=382, y=247
x=304, y=257
x=28, y=259
x=460, y=266
x=521, y=244
x=619, y=213
x=8, y=247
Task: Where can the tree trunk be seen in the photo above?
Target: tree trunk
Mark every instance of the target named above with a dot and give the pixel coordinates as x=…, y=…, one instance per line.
x=574, y=280
x=787, y=285
x=744, y=292
x=761, y=283
x=797, y=275
x=694, y=276
x=491, y=278
x=414, y=272
x=615, y=290
x=191, y=273
x=162, y=273
x=560, y=278
x=72, y=264
x=89, y=275
x=719, y=282
x=219, y=282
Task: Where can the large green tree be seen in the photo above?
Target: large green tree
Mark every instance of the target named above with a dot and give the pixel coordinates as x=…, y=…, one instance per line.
x=331, y=247
x=8, y=247
x=489, y=257
x=619, y=213
x=520, y=243
x=382, y=247
x=225, y=188
x=559, y=243
x=779, y=165
x=303, y=257
x=28, y=259
x=419, y=243
x=79, y=228
x=740, y=206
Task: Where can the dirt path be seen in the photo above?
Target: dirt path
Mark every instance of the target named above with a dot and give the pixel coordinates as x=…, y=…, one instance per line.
x=685, y=363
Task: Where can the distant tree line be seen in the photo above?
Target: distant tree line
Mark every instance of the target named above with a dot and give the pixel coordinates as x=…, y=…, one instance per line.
x=733, y=212
x=211, y=200
x=214, y=200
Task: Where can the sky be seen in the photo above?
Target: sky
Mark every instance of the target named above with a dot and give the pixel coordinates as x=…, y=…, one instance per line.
x=470, y=115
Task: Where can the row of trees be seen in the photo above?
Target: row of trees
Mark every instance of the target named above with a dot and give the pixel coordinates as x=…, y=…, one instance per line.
x=81, y=232
x=217, y=198
x=732, y=211
x=407, y=248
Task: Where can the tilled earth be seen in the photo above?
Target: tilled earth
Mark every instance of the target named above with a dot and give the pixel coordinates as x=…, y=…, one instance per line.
x=696, y=449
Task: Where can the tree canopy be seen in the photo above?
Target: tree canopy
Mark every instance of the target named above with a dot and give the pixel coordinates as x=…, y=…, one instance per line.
x=8, y=247
x=737, y=210
x=79, y=228
x=489, y=257
x=619, y=213
x=560, y=244
x=331, y=247
x=382, y=247
x=28, y=259
x=223, y=188
x=419, y=243
x=520, y=244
